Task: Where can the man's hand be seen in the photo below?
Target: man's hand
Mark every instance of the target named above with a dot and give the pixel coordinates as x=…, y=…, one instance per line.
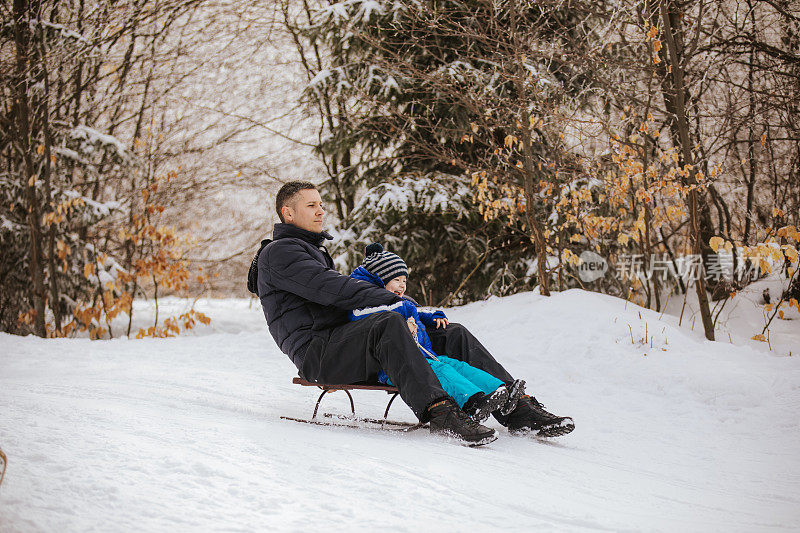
x=441, y=322
x=412, y=327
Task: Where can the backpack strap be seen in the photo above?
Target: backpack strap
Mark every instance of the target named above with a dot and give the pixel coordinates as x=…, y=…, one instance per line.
x=252, y=274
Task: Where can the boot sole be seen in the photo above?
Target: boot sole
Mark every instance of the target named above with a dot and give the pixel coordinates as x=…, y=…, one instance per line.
x=469, y=443
x=496, y=401
x=564, y=427
x=481, y=442
x=556, y=431
x=514, y=394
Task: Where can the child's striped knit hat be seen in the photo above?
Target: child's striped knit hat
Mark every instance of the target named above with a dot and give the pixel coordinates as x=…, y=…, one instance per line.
x=385, y=265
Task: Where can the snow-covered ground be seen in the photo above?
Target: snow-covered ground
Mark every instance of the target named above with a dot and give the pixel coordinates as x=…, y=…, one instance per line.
x=184, y=433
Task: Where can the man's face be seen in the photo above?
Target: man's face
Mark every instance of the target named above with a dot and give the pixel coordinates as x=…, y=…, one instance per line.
x=305, y=211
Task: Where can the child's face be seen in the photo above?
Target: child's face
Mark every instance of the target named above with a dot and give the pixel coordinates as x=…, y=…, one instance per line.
x=397, y=285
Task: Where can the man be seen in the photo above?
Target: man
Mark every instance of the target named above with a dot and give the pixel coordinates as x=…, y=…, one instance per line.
x=306, y=304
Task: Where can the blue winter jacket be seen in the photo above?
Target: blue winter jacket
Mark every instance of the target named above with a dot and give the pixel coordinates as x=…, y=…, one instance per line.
x=408, y=307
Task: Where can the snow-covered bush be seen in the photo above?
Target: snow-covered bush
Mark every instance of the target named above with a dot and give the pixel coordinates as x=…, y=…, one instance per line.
x=454, y=255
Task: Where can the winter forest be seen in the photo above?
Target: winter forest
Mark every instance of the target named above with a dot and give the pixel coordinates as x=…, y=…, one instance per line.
x=605, y=192
x=488, y=143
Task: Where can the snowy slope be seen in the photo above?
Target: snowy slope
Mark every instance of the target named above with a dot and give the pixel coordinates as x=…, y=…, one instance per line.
x=161, y=435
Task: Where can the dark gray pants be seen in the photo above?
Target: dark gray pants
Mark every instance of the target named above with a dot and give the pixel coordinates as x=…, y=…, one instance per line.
x=355, y=352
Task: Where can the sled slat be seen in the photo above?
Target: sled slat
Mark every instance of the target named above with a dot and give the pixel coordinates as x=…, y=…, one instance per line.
x=338, y=386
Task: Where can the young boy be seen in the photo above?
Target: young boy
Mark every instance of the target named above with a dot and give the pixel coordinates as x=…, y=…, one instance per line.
x=476, y=392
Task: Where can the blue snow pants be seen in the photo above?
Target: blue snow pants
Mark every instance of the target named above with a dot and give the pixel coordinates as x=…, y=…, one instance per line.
x=460, y=380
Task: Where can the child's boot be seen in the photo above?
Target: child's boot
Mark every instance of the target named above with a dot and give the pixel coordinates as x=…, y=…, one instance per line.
x=480, y=406
x=515, y=391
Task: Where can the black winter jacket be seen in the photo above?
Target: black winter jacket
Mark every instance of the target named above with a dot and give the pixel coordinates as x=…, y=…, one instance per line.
x=301, y=293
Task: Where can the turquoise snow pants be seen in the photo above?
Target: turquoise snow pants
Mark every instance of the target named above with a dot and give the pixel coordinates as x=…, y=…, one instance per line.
x=462, y=381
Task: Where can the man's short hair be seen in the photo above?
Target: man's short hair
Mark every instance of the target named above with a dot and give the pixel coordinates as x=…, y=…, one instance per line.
x=287, y=193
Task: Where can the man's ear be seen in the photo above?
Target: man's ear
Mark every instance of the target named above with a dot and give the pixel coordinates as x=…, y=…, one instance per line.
x=286, y=211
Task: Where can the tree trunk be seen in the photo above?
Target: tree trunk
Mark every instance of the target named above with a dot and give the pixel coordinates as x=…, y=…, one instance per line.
x=677, y=95
x=44, y=105
x=22, y=39
x=529, y=180
x=751, y=141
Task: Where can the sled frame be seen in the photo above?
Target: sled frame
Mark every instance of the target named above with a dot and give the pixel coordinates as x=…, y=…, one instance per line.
x=352, y=421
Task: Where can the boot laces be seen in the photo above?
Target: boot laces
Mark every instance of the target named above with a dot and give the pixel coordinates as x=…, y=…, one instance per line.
x=464, y=417
x=539, y=407
x=458, y=413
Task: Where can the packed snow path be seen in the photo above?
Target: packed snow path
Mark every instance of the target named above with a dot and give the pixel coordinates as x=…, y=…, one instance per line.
x=184, y=433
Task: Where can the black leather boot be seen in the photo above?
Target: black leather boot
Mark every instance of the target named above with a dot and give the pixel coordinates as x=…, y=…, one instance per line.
x=447, y=419
x=530, y=415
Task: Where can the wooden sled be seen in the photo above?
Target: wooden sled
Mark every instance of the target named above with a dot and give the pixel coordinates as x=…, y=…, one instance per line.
x=352, y=421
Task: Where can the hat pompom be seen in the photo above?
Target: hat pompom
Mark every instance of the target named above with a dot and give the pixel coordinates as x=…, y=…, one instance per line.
x=374, y=248
x=384, y=265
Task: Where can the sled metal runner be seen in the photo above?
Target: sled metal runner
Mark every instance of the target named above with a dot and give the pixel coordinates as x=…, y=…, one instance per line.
x=352, y=421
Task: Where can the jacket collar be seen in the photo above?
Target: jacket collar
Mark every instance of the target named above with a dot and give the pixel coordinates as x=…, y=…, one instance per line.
x=286, y=231
x=365, y=275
